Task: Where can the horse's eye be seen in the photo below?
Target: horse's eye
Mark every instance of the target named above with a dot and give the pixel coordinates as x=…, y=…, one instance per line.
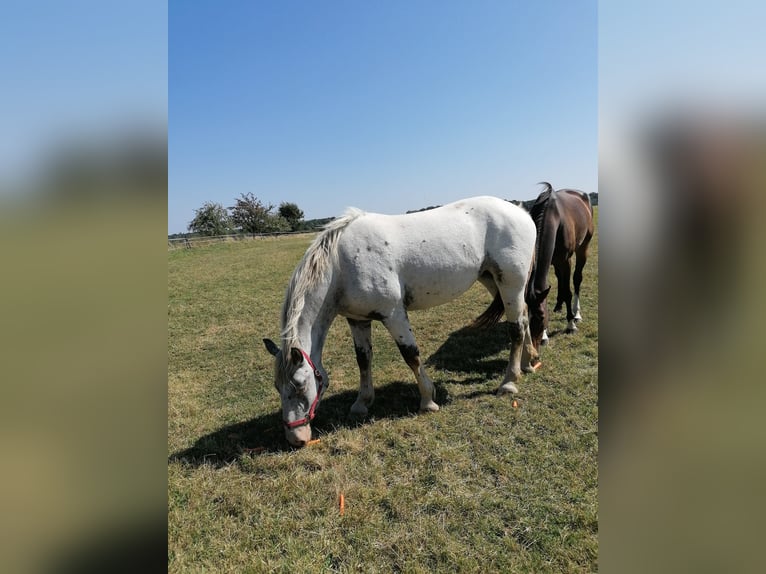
x=299, y=386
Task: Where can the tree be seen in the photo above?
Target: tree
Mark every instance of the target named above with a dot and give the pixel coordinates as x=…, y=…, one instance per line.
x=292, y=213
x=250, y=214
x=211, y=219
x=277, y=223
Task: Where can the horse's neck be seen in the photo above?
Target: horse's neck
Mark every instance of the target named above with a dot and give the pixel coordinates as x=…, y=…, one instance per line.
x=319, y=311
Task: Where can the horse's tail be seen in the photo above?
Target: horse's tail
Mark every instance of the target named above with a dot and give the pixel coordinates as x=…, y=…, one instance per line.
x=492, y=315
x=586, y=199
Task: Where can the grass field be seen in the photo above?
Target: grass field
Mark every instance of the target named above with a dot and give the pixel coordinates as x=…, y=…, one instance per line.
x=477, y=487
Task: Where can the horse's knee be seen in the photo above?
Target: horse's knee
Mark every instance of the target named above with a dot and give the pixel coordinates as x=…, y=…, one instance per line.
x=411, y=355
x=517, y=332
x=363, y=356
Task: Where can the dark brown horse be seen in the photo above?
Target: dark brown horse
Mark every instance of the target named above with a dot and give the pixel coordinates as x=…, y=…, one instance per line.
x=564, y=220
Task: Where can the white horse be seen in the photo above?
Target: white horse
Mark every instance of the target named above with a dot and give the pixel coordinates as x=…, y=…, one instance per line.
x=367, y=266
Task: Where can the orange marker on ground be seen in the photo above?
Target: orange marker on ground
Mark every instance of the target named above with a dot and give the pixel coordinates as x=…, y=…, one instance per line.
x=515, y=404
x=315, y=441
x=342, y=503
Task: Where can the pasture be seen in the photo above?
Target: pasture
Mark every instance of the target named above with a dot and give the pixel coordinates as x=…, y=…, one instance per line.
x=479, y=486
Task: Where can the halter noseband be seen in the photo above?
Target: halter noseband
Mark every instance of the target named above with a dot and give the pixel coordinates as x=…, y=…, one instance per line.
x=310, y=416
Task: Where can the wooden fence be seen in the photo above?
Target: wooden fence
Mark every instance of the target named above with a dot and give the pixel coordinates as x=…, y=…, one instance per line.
x=190, y=242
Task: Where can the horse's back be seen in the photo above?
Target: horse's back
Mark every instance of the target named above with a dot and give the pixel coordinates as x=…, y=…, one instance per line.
x=486, y=213
x=461, y=222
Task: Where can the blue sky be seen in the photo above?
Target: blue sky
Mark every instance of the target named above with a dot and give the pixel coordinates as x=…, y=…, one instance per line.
x=77, y=69
x=382, y=106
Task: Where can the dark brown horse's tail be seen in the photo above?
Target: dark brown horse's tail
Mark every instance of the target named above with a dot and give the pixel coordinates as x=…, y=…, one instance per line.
x=586, y=199
x=492, y=315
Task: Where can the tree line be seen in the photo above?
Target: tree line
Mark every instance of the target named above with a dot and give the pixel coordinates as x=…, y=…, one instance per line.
x=248, y=215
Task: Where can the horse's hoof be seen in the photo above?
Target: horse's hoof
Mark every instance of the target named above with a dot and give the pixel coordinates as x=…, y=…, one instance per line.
x=578, y=318
x=571, y=328
x=507, y=388
x=544, y=342
x=429, y=407
x=359, y=409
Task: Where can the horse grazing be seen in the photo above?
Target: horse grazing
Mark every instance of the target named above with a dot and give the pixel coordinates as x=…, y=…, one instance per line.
x=564, y=221
x=367, y=266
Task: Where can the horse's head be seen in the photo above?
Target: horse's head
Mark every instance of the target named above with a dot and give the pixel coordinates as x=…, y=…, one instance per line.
x=538, y=314
x=300, y=386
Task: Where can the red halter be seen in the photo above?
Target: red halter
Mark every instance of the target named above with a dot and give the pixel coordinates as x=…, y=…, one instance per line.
x=310, y=416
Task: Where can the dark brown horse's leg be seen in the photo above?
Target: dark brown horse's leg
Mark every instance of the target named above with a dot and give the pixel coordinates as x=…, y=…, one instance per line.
x=582, y=257
x=563, y=273
x=529, y=355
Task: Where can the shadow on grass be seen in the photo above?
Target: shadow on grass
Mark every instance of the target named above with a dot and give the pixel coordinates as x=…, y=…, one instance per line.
x=467, y=350
x=265, y=433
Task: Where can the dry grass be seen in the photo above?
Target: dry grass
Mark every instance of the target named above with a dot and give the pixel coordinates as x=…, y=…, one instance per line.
x=477, y=487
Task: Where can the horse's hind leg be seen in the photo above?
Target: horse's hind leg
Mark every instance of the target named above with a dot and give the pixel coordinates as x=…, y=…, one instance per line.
x=582, y=257
x=399, y=327
x=362, y=331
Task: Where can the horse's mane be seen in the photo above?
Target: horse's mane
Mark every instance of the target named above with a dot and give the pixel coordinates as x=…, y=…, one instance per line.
x=537, y=212
x=309, y=273
x=538, y=208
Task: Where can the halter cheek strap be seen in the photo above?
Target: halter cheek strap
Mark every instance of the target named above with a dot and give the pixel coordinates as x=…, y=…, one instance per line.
x=310, y=416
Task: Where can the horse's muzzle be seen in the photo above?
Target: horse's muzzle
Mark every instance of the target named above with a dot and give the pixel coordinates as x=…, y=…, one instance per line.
x=298, y=436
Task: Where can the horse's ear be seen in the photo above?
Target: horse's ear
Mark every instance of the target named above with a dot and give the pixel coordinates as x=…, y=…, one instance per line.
x=296, y=356
x=271, y=347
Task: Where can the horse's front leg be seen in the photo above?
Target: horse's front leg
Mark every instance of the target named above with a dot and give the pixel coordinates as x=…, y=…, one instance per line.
x=513, y=372
x=563, y=270
x=362, y=333
x=398, y=326
x=529, y=355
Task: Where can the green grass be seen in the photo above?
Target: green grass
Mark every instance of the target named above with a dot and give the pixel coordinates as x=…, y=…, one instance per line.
x=477, y=487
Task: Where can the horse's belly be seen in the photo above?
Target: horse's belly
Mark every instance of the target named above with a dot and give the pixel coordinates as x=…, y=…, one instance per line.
x=423, y=292
x=378, y=297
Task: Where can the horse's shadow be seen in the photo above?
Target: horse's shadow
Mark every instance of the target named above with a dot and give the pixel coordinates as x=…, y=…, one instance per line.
x=264, y=433
x=468, y=349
